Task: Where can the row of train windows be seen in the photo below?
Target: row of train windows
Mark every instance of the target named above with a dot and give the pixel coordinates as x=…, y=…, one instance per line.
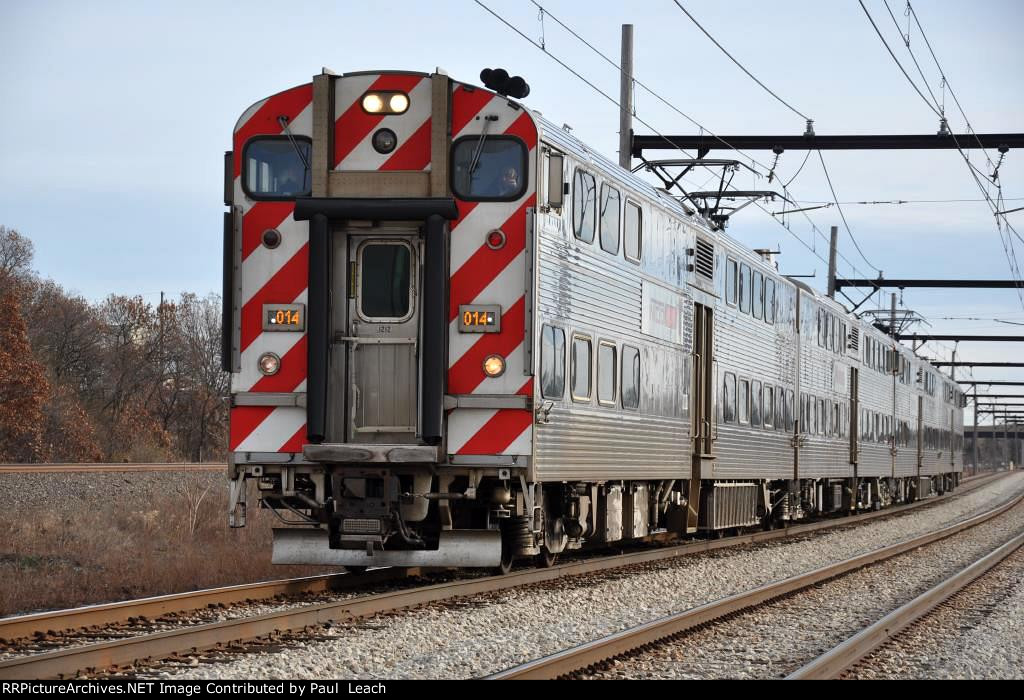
x=613, y=386
x=831, y=332
x=880, y=428
x=608, y=222
x=824, y=417
x=749, y=402
x=937, y=439
x=750, y=290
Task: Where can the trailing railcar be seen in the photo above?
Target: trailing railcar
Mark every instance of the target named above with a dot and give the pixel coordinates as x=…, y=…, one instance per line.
x=457, y=336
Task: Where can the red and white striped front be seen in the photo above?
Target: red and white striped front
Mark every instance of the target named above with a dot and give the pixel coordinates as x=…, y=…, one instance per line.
x=271, y=275
x=481, y=275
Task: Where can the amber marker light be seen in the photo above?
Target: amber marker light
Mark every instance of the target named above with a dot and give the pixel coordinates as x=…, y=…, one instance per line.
x=269, y=363
x=494, y=365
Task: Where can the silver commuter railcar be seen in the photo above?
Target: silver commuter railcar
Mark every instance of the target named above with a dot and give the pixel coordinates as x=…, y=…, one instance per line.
x=461, y=336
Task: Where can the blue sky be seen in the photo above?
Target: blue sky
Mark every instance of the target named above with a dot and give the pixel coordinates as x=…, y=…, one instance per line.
x=116, y=116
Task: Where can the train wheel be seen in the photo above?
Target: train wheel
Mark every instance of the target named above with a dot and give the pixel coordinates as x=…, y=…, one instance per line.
x=546, y=559
x=506, y=560
x=507, y=549
x=356, y=569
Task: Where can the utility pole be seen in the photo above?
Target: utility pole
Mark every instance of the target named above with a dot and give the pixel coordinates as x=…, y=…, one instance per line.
x=974, y=442
x=832, y=244
x=626, y=99
x=892, y=316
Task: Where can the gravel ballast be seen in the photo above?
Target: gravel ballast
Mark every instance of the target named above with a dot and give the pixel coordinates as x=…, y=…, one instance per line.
x=774, y=640
x=978, y=633
x=476, y=636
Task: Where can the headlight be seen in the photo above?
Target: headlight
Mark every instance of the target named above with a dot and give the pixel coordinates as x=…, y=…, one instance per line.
x=494, y=365
x=269, y=363
x=373, y=103
x=398, y=103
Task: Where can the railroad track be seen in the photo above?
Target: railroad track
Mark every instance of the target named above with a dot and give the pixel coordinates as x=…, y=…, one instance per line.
x=61, y=468
x=833, y=663
x=123, y=652
x=598, y=652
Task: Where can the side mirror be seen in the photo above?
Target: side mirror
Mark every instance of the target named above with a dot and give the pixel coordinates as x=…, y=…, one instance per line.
x=556, y=188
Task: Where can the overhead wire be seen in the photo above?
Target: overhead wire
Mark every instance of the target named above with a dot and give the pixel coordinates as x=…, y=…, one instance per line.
x=738, y=64
x=809, y=121
x=1005, y=239
x=609, y=98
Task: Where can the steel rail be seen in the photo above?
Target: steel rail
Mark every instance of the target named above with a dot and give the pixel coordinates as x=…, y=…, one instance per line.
x=92, y=616
x=68, y=662
x=585, y=655
x=843, y=656
x=69, y=467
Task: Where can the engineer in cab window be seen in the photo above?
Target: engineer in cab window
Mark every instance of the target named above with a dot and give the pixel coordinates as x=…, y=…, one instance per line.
x=509, y=183
x=289, y=181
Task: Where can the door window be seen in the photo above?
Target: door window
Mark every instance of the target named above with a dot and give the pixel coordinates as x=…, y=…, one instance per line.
x=384, y=281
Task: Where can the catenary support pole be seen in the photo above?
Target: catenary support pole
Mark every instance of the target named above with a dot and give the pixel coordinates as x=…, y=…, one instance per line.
x=832, y=245
x=626, y=99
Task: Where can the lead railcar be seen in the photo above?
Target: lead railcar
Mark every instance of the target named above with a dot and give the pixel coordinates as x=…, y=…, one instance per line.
x=457, y=335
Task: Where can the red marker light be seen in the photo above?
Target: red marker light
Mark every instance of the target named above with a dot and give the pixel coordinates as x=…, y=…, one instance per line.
x=496, y=239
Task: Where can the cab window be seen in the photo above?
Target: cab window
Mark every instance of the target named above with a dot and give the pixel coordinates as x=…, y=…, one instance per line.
x=489, y=169
x=276, y=167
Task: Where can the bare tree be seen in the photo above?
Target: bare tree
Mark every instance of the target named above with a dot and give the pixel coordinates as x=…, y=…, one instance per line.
x=16, y=252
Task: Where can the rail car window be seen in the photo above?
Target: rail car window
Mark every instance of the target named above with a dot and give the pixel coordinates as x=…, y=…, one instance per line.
x=552, y=362
x=822, y=417
x=821, y=328
x=769, y=406
x=632, y=229
x=630, y=377
x=730, y=282
x=384, y=281
x=489, y=168
x=780, y=407
x=584, y=206
x=755, y=404
x=581, y=368
x=789, y=410
x=610, y=202
x=277, y=167
x=743, y=401
x=744, y=289
x=758, y=288
x=729, y=398
x=607, y=367
x=769, y=301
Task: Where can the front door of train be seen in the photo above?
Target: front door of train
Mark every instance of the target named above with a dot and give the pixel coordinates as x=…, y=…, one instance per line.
x=379, y=341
